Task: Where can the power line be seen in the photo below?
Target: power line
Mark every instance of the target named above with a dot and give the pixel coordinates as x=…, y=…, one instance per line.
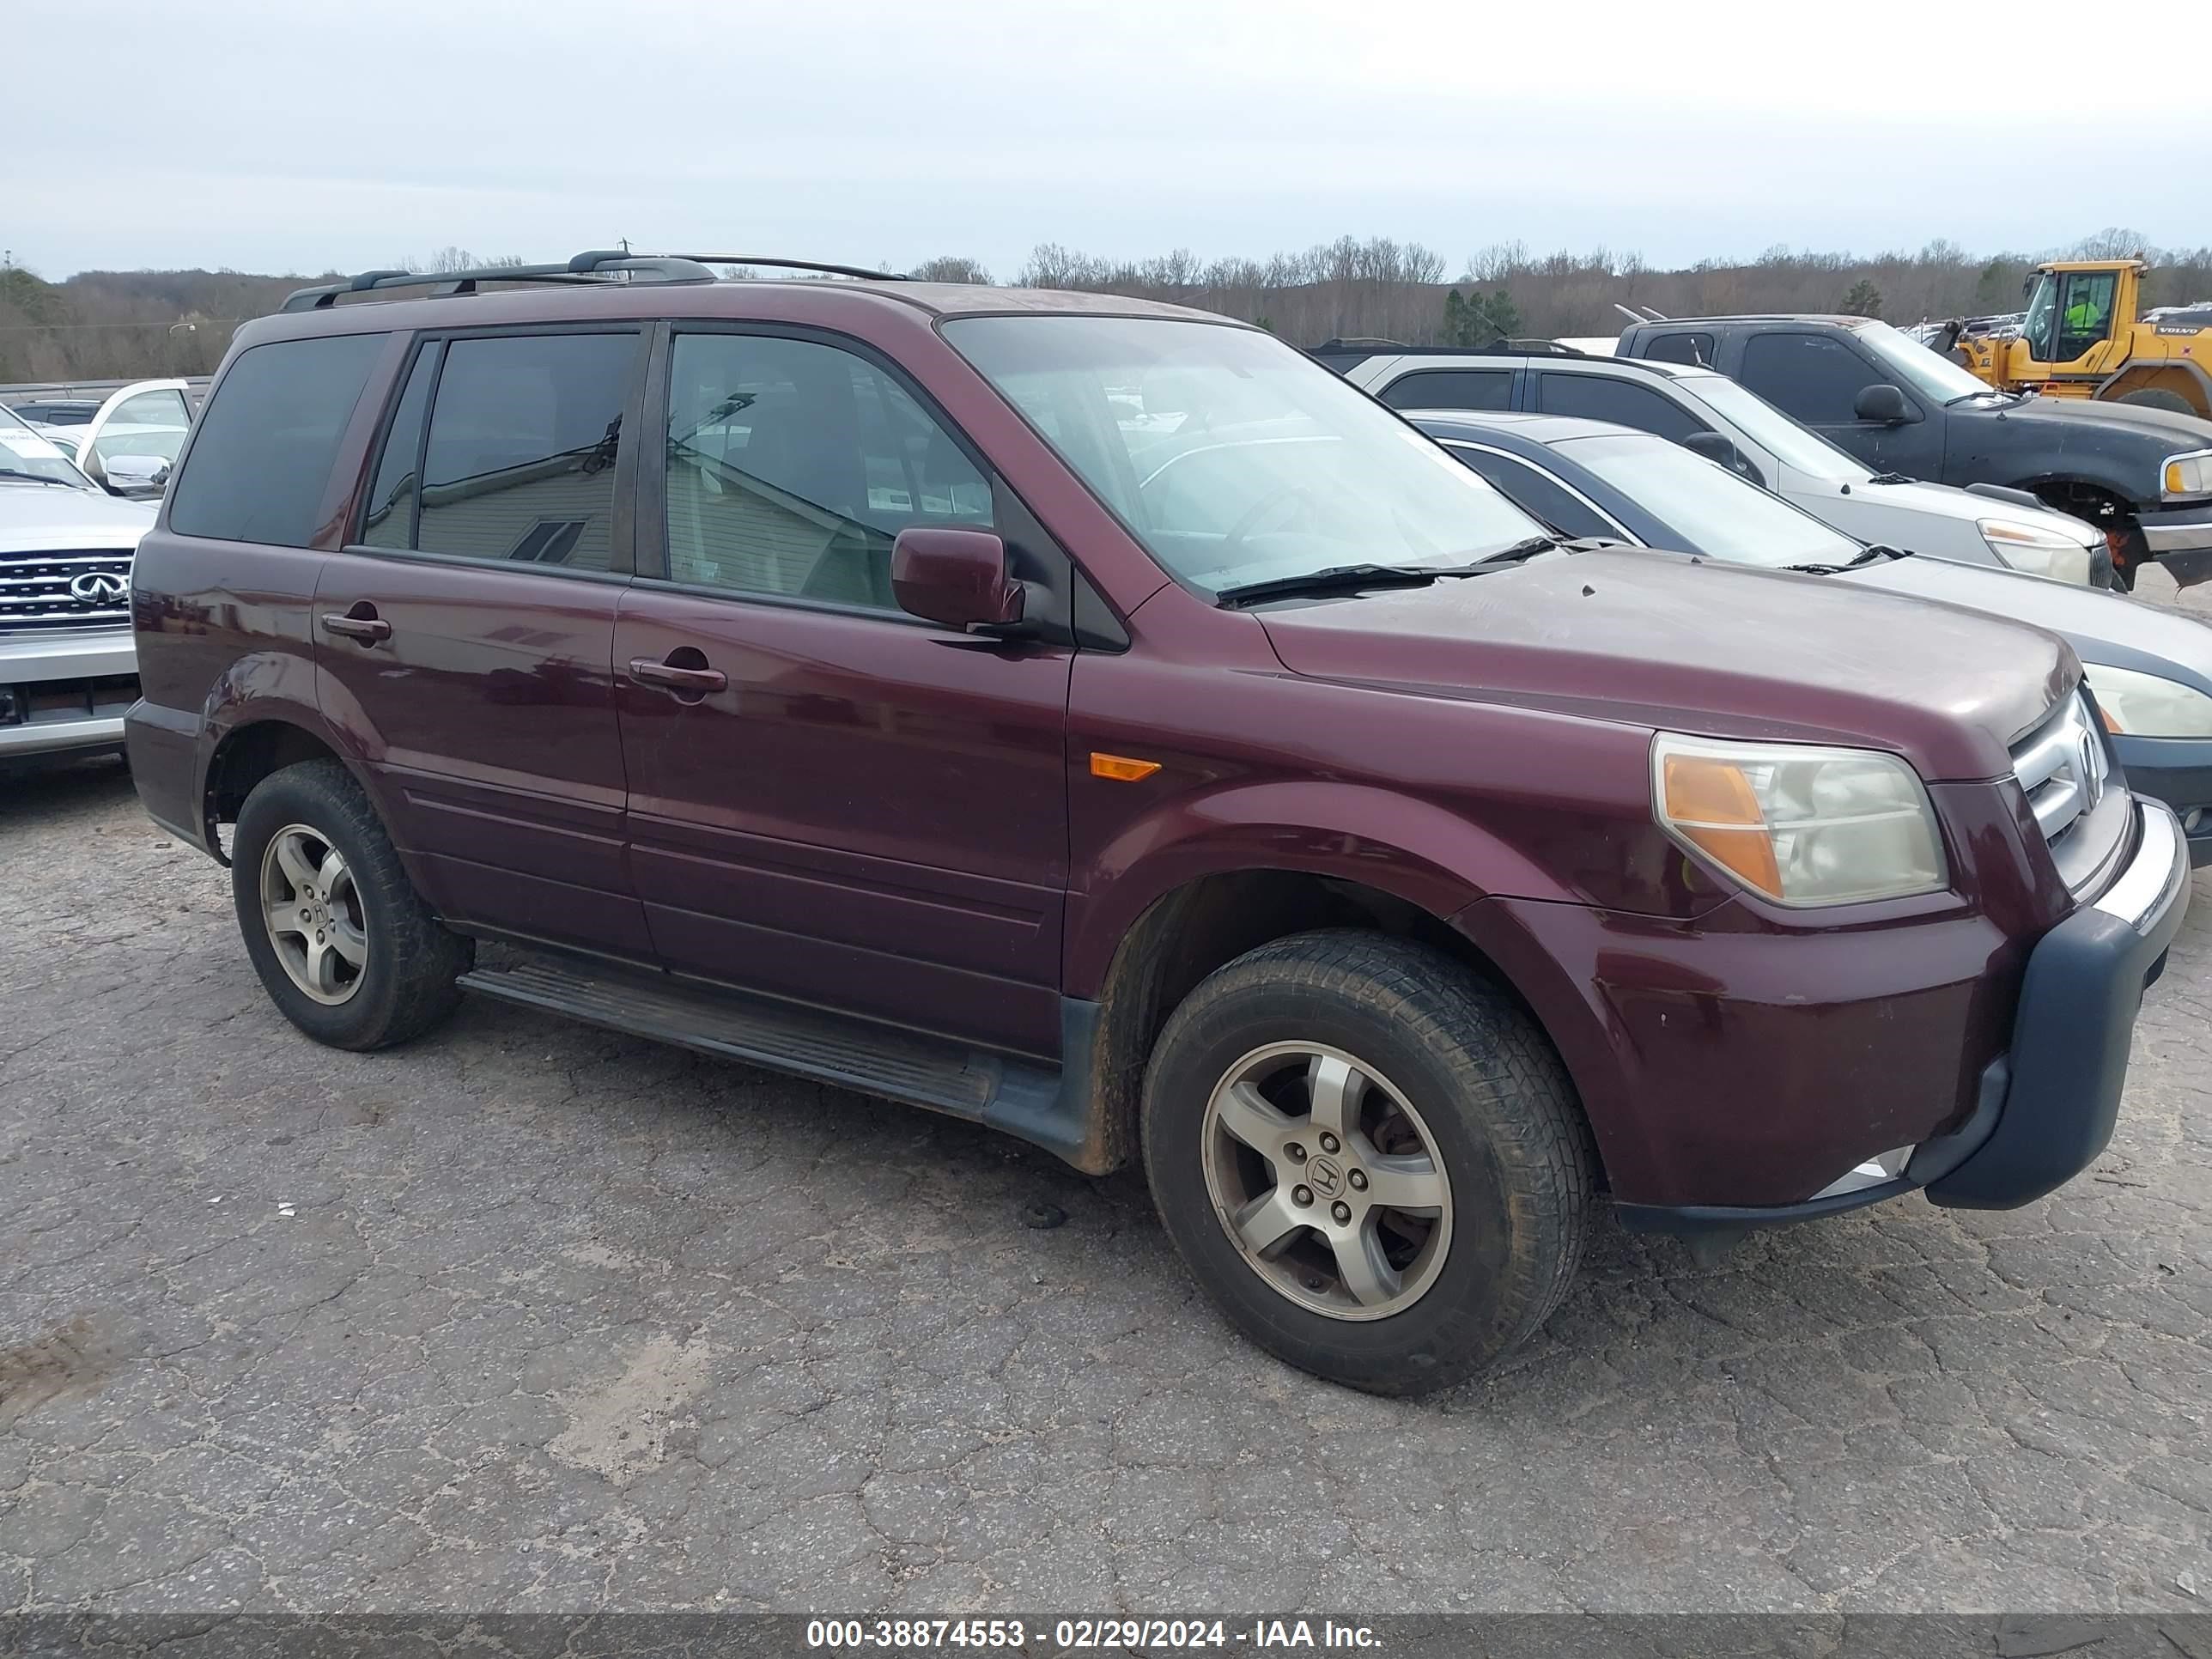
x=78, y=328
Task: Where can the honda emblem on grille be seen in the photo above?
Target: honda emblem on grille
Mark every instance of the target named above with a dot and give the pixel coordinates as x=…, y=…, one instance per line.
x=2092, y=774
x=99, y=588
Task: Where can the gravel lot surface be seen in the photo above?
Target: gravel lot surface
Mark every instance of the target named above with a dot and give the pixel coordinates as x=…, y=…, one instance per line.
x=533, y=1317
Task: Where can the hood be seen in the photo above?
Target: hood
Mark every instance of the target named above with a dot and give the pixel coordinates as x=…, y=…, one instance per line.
x=2176, y=431
x=2102, y=628
x=1942, y=501
x=47, y=519
x=1662, y=640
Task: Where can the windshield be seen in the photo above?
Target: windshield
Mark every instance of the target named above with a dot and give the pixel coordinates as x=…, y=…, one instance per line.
x=1797, y=446
x=1232, y=458
x=1711, y=508
x=1932, y=376
x=23, y=451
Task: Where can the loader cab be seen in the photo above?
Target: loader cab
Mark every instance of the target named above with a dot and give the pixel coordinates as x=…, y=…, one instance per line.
x=2073, y=310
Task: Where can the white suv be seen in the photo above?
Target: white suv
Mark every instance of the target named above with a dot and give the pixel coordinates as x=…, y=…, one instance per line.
x=67, y=672
x=1713, y=414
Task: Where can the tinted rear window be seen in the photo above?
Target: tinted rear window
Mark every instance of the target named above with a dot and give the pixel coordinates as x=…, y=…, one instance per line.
x=1452, y=388
x=261, y=456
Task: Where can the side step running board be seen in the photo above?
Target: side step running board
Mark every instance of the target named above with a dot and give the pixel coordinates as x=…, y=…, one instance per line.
x=1022, y=1098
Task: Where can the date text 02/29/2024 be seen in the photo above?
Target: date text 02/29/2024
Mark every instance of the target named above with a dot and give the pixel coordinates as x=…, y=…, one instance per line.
x=1077, y=1635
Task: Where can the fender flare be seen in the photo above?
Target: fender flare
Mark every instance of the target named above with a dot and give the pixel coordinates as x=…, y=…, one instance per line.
x=1413, y=851
x=259, y=690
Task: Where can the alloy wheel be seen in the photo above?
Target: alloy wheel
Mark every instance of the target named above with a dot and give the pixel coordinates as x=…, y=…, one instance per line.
x=317, y=924
x=1326, y=1180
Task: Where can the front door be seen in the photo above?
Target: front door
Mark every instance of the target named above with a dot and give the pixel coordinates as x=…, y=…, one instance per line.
x=829, y=801
x=465, y=634
x=1816, y=380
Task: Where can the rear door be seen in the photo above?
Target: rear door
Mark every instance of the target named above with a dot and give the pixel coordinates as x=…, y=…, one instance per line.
x=465, y=632
x=855, y=809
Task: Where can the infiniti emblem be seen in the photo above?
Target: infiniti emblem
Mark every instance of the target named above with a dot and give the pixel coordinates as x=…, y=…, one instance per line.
x=98, y=587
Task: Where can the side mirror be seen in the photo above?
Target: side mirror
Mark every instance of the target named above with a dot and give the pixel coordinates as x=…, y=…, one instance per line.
x=1885, y=405
x=135, y=475
x=1714, y=448
x=956, y=578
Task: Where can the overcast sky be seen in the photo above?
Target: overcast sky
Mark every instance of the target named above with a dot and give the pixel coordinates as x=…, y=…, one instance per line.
x=278, y=136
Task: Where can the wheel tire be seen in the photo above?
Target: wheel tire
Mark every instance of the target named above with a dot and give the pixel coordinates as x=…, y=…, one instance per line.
x=2154, y=397
x=1487, y=1088
x=405, y=984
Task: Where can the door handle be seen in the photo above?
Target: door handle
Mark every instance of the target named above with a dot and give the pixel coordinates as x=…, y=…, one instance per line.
x=368, y=629
x=671, y=677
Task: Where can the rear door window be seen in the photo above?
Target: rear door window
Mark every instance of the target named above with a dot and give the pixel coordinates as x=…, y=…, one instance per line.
x=1601, y=397
x=1451, y=388
x=517, y=464
x=1812, y=377
x=261, y=459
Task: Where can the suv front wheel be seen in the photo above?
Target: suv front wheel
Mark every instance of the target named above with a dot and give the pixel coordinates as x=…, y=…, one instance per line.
x=343, y=944
x=1372, y=1161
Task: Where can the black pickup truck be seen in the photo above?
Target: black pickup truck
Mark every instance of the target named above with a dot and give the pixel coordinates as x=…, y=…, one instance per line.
x=2143, y=475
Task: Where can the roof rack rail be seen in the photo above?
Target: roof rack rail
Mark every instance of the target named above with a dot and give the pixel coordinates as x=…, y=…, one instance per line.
x=596, y=266
x=861, y=271
x=593, y=265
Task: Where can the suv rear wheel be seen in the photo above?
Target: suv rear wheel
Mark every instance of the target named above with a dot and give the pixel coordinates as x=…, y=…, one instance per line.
x=343, y=944
x=1372, y=1161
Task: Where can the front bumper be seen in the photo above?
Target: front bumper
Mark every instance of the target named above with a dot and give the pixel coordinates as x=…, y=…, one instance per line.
x=64, y=691
x=2180, y=539
x=2046, y=1108
x=2177, y=771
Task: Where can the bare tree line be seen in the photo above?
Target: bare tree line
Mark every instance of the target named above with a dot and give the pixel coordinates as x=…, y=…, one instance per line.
x=107, y=324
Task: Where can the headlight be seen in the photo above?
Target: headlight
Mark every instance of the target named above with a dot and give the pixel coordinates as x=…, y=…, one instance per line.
x=2038, y=552
x=2190, y=474
x=1798, y=825
x=2148, y=705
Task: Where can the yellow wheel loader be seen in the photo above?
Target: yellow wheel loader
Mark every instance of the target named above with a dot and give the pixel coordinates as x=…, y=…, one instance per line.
x=2083, y=336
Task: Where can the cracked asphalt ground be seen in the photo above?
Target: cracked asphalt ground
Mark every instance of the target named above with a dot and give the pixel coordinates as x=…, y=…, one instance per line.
x=532, y=1317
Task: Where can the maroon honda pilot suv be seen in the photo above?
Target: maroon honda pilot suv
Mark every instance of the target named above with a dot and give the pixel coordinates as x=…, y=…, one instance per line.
x=1097, y=720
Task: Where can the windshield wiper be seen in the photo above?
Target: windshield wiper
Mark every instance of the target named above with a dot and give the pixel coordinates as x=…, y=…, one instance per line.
x=1890, y=478
x=1341, y=579
x=1528, y=547
x=35, y=478
x=1866, y=555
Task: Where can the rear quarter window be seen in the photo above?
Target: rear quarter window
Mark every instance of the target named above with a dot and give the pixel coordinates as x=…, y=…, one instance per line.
x=1451, y=388
x=1693, y=348
x=259, y=463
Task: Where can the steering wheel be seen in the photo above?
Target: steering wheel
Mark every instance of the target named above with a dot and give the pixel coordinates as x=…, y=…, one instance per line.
x=1248, y=522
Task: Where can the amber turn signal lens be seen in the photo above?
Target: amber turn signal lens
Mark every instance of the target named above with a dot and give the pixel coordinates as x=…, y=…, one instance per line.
x=1712, y=803
x=1120, y=768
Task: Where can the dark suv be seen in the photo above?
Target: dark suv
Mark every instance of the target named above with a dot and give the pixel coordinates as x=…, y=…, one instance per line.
x=1096, y=719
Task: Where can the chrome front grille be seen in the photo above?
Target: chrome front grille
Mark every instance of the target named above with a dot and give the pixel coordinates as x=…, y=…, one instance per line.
x=2062, y=766
x=56, y=591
